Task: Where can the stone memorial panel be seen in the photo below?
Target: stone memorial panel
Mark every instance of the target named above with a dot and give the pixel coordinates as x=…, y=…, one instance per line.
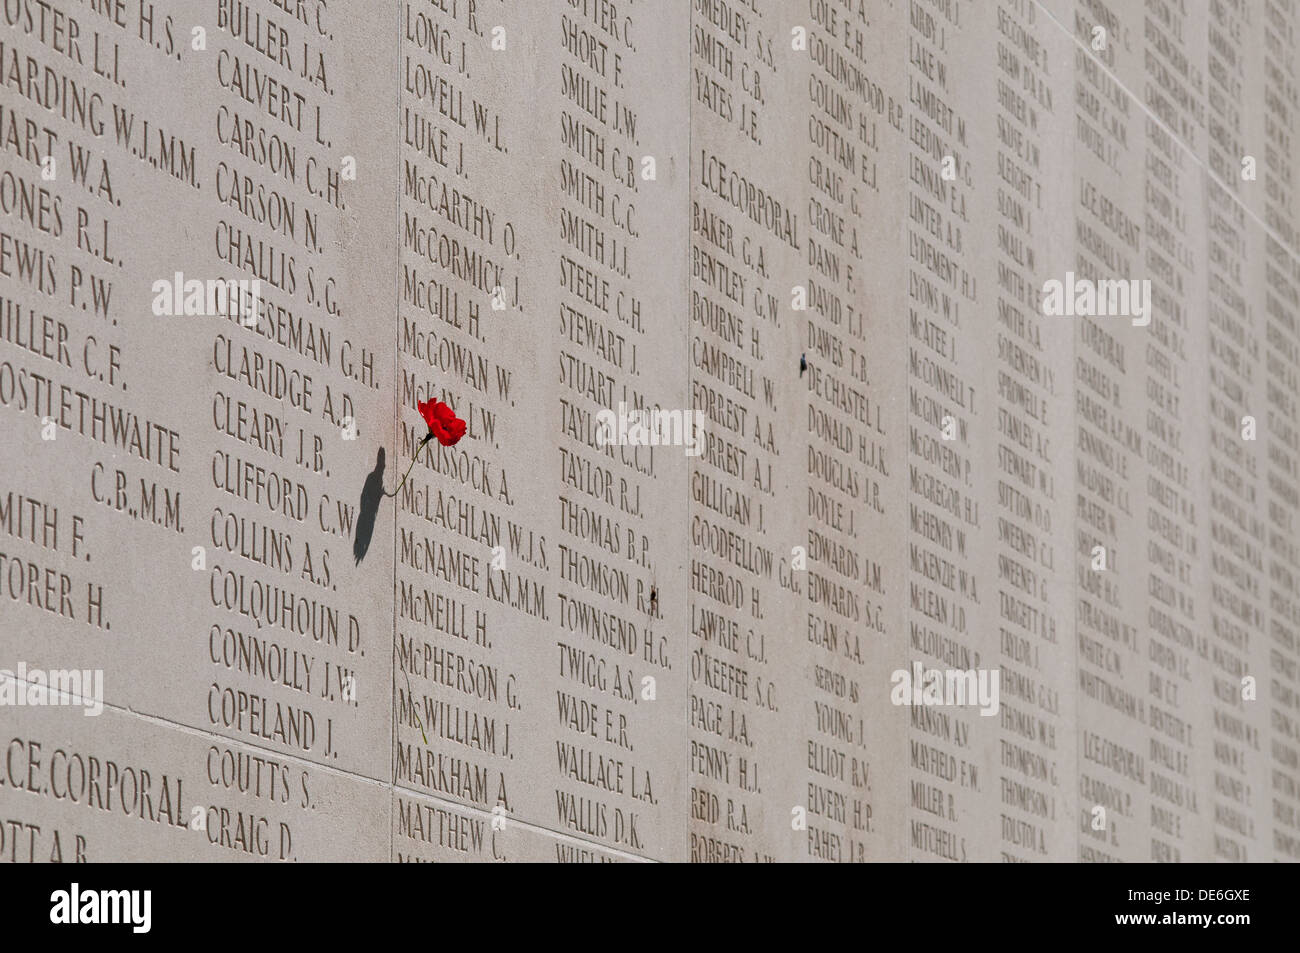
x=879, y=431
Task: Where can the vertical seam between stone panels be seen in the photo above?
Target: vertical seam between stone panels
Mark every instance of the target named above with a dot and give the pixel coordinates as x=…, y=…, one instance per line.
x=1209, y=173
x=397, y=419
x=686, y=341
x=1075, y=519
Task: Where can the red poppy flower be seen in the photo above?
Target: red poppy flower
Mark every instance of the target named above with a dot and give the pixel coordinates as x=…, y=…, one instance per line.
x=443, y=422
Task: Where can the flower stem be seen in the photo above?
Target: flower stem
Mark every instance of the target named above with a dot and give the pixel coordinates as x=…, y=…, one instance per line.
x=414, y=457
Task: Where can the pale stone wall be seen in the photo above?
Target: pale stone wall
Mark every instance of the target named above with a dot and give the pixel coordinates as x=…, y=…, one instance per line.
x=825, y=227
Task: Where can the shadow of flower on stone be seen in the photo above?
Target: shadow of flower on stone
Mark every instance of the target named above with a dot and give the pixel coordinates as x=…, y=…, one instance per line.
x=371, y=493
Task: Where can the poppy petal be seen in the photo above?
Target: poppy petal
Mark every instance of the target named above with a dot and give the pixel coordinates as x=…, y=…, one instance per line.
x=426, y=410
